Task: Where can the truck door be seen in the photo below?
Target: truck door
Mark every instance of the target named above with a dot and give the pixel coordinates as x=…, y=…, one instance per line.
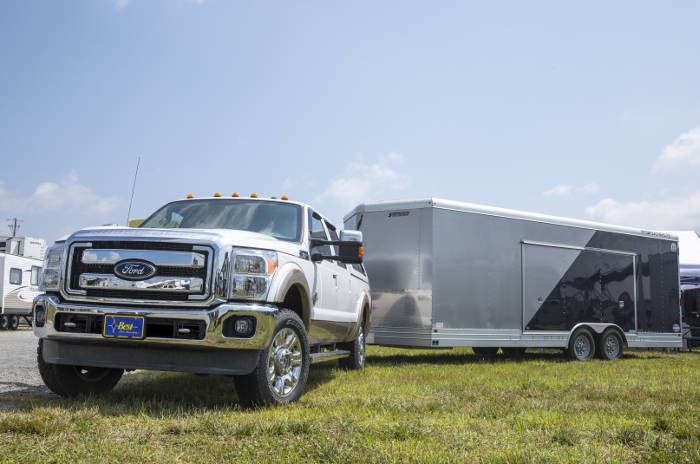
x=346, y=300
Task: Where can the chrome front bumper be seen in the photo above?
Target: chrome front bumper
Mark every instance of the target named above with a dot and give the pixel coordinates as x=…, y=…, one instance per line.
x=213, y=319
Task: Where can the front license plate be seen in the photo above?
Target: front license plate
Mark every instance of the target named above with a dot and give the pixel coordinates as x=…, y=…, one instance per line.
x=123, y=326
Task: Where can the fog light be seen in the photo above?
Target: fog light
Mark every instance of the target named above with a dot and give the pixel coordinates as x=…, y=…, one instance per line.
x=39, y=316
x=243, y=327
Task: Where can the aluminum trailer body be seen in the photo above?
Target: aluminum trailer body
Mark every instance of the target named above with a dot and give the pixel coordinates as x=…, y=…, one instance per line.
x=448, y=274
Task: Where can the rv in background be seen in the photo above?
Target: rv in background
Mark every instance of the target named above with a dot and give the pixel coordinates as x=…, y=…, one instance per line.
x=20, y=271
x=689, y=260
x=445, y=273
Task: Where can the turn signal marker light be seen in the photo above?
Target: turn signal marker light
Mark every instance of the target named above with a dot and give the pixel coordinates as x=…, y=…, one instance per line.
x=360, y=252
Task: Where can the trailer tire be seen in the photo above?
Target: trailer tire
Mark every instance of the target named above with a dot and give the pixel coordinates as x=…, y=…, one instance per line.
x=357, y=349
x=71, y=381
x=14, y=322
x=610, y=345
x=513, y=351
x=4, y=322
x=277, y=364
x=485, y=351
x=581, y=345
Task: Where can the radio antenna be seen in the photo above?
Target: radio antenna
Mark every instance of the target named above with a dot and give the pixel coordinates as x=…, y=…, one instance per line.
x=133, y=189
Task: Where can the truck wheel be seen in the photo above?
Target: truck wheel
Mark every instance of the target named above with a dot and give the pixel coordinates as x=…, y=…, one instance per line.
x=610, y=345
x=485, y=351
x=513, y=352
x=581, y=346
x=282, y=368
x=357, y=349
x=4, y=322
x=14, y=322
x=71, y=381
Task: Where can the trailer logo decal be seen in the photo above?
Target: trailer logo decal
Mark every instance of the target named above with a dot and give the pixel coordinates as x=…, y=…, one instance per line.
x=134, y=270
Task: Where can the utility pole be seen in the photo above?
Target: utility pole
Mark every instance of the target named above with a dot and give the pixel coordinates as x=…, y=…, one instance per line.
x=14, y=225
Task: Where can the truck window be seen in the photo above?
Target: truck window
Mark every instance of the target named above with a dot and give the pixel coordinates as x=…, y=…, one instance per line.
x=334, y=236
x=34, y=279
x=15, y=276
x=276, y=219
x=316, y=230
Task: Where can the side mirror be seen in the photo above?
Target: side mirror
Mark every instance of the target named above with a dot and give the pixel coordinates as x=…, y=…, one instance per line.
x=350, y=249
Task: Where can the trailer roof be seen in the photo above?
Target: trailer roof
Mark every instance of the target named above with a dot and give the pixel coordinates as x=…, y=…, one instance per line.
x=502, y=212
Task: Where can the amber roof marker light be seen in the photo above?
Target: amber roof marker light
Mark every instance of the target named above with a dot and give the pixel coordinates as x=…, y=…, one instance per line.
x=285, y=197
x=190, y=196
x=235, y=195
x=253, y=195
x=217, y=194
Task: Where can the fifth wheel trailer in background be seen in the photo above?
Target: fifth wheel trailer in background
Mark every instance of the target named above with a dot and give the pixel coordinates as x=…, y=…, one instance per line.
x=445, y=274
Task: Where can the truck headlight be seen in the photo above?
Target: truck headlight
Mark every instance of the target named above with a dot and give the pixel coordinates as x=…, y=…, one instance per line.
x=52, y=268
x=251, y=273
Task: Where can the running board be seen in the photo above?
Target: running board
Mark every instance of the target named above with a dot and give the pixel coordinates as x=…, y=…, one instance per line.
x=329, y=356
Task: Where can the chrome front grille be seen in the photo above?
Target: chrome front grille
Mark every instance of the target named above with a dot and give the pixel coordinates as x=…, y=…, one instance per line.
x=182, y=271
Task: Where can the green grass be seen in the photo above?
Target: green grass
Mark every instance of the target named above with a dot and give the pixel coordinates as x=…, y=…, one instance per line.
x=407, y=406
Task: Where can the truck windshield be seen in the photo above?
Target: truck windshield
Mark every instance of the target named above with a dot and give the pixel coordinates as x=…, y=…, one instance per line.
x=279, y=220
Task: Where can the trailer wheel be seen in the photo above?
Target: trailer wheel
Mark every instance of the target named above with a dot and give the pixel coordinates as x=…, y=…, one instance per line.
x=4, y=322
x=485, y=351
x=581, y=345
x=610, y=345
x=72, y=381
x=282, y=368
x=14, y=322
x=513, y=352
x=357, y=349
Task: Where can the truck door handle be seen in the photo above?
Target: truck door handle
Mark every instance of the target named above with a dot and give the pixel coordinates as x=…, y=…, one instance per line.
x=335, y=276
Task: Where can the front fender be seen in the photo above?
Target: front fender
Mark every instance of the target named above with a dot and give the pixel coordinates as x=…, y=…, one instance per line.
x=288, y=276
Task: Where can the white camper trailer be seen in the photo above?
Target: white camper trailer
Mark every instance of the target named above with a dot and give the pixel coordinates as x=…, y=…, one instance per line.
x=20, y=271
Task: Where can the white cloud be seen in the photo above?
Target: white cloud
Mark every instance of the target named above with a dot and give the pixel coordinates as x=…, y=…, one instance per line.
x=363, y=182
x=683, y=152
x=563, y=190
x=67, y=194
x=664, y=214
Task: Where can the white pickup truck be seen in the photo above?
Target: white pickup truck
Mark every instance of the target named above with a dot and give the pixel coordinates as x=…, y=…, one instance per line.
x=250, y=287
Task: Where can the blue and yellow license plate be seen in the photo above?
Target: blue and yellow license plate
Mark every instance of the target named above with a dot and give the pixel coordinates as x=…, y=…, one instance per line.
x=123, y=326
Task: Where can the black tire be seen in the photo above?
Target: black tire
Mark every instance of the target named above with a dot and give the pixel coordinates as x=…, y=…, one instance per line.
x=72, y=381
x=358, y=352
x=513, y=352
x=485, y=351
x=255, y=389
x=14, y=322
x=581, y=345
x=4, y=322
x=610, y=345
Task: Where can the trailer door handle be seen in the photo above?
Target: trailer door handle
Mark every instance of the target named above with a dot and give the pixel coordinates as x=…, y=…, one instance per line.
x=335, y=276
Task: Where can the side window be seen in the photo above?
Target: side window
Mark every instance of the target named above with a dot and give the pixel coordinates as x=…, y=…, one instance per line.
x=334, y=236
x=36, y=270
x=359, y=268
x=316, y=230
x=15, y=276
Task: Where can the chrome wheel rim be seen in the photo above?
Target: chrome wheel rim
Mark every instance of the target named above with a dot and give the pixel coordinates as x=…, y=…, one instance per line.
x=284, y=362
x=612, y=346
x=361, y=348
x=582, y=347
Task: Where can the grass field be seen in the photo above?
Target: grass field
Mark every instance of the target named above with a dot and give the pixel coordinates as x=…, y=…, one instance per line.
x=407, y=406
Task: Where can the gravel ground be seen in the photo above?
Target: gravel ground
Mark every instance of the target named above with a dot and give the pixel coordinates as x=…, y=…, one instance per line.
x=19, y=375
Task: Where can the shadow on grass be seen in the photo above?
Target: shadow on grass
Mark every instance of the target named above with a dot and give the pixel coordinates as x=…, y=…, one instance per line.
x=158, y=394
x=459, y=358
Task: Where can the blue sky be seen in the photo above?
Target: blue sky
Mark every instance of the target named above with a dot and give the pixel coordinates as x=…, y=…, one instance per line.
x=588, y=110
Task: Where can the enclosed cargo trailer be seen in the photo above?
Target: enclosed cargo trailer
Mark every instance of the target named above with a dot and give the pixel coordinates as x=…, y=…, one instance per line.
x=445, y=274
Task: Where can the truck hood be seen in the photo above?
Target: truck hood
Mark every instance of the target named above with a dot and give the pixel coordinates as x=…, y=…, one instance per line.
x=222, y=237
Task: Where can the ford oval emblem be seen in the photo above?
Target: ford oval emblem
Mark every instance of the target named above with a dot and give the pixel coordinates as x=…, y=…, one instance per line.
x=134, y=270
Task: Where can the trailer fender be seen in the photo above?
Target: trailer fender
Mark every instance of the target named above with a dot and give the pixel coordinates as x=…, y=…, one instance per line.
x=597, y=328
